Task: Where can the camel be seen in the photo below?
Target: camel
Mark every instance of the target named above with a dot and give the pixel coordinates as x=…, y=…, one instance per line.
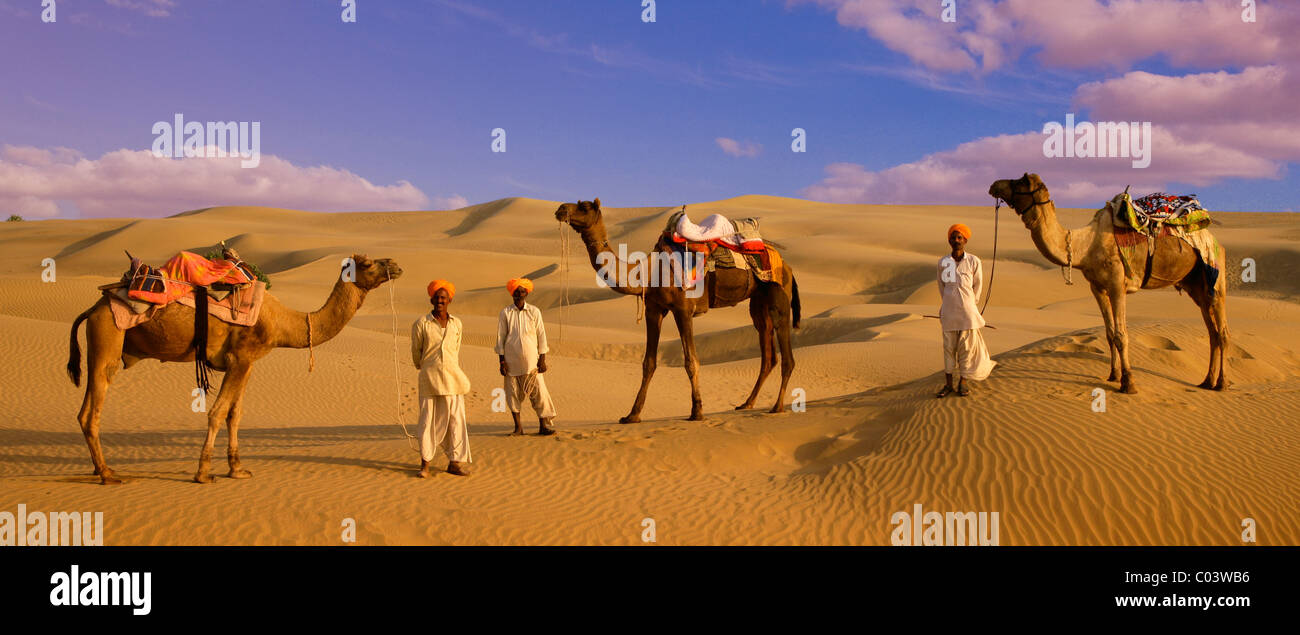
x=231, y=348
x=1093, y=251
x=773, y=308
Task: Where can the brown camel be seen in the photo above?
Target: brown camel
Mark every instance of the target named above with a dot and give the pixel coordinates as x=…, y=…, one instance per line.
x=1092, y=250
x=770, y=307
x=230, y=348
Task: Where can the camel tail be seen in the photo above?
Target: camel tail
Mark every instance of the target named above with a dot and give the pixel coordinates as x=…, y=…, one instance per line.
x=74, y=349
x=794, y=299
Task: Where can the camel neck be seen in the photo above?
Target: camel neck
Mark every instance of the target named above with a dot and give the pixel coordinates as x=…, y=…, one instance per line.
x=325, y=322
x=597, y=243
x=1050, y=237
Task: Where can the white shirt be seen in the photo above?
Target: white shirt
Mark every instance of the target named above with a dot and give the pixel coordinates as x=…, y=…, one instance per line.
x=959, y=292
x=521, y=338
x=436, y=352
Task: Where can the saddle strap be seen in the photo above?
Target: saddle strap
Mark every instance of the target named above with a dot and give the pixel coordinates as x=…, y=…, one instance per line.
x=200, y=342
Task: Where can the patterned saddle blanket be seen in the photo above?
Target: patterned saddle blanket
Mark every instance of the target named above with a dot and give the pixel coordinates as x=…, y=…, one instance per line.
x=182, y=274
x=722, y=243
x=1154, y=211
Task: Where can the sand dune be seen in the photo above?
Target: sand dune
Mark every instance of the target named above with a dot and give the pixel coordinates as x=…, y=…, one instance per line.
x=1170, y=465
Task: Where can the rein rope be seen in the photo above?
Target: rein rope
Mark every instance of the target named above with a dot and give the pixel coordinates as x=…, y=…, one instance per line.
x=1066, y=271
x=397, y=375
x=565, y=247
x=997, y=205
x=311, y=352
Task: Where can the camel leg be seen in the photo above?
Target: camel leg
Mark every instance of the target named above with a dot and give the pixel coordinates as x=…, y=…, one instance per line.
x=1216, y=325
x=766, y=347
x=1119, y=302
x=691, y=360
x=1218, y=309
x=217, y=415
x=103, y=353
x=654, y=318
x=779, y=309
x=239, y=373
x=1107, y=318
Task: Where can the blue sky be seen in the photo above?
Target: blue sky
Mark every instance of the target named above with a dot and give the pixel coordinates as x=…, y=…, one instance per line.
x=594, y=101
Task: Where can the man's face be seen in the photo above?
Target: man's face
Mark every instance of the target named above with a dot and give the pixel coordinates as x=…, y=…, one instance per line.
x=441, y=299
x=519, y=294
x=956, y=239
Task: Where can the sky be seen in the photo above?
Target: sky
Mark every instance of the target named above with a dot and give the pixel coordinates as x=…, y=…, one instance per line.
x=397, y=110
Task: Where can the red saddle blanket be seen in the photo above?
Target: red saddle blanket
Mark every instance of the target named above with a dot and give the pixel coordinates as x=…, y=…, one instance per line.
x=180, y=275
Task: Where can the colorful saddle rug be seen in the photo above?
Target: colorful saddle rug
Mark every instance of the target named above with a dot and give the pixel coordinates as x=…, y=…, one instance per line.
x=1154, y=211
x=1139, y=222
x=181, y=274
x=725, y=243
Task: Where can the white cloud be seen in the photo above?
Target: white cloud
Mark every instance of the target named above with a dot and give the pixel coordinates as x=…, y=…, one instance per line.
x=739, y=148
x=44, y=183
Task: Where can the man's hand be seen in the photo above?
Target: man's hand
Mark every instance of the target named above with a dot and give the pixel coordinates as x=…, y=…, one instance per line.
x=541, y=364
x=505, y=368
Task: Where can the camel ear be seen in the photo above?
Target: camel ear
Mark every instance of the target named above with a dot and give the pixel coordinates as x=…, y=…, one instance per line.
x=596, y=203
x=362, y=260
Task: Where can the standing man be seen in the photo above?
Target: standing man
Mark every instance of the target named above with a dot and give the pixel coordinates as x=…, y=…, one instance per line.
x=521, y=347
x=435, y=349
x=960, y=277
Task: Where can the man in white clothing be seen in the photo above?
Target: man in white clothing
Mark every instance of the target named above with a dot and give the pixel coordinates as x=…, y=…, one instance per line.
x=435, y=349
x=521, y=347
x=961, y=275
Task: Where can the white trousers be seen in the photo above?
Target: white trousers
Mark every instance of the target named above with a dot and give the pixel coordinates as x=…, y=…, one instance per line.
x=965, y=355
x=533, y=387
x=442, y=424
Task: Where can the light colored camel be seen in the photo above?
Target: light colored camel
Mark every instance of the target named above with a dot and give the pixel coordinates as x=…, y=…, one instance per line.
x=1092, y=250
x=773, y=308
x=231, y=348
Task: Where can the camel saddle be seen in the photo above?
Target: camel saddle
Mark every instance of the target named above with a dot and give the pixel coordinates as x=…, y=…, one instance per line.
x=226, y=288
x=1152, y=213
x=1155, y=232
x=741, y=248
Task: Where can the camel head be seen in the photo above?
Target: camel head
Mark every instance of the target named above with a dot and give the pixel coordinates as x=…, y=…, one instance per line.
x=1021, y=195
x=372, y=273
x=581, y=215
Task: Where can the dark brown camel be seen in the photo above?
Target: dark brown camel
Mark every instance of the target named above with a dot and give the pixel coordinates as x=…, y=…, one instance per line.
x=773, y=308
x=231, y=348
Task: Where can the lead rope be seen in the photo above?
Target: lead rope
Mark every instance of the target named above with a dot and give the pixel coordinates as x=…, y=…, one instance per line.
x=564, y=277
x=397, y=376
x=997, y=205
x=311, y=352
x=1067, y=271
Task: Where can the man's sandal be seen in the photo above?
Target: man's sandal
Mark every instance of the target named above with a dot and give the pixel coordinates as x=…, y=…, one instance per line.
x=944, y=392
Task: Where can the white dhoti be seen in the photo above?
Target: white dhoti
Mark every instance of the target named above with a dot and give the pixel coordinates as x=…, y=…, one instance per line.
x=442, y=424
x=532, y=387
x=965, y=355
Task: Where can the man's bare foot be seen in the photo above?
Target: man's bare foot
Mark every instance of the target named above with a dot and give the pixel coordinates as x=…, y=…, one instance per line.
x=545, y=428
x=423, y=473
x=458, y=468
x=519, y=432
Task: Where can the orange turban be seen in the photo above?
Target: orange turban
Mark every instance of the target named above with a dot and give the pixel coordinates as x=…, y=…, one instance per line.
x=959, y=228
x=442, y=284
x=519, y=282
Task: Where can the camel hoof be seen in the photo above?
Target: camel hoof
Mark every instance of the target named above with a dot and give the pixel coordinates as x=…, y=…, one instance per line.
x=1206, y=385
x=1128, y=389
x=240, y=473
x=629, y=419
x=1114, y=376
x=695, y=417
x=776, y=410
x=107, y=478
x=1221, y=386
x=745, y=406
x=202, y=477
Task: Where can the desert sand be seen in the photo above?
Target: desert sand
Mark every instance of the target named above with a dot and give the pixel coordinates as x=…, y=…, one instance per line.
x=1173, y=464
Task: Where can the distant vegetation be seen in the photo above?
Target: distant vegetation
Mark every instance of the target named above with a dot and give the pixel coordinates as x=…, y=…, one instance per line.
x=13, y=218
